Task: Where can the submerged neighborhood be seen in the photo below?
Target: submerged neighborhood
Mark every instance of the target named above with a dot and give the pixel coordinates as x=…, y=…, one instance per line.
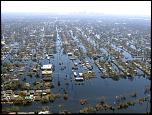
x=65, y=64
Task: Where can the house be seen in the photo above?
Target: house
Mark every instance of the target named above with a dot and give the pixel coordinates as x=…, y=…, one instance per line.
x=16, y=92
x=3, y=92
x=25, y=91
x=44, y=112
x=31, y=91
x=5, y=99
x=90, y=72
x=46, y=72
x=47, y=79
x=9, y=92
x=79, y=79
x=69, y=54
x=30, y=97
x=48, y=91
x=72, y=58
x=47, y=67
x=12, y=113
x=37, y=98
x=34, y=70
x=25, y=113
x=27, y=84
x=13, y=97
x=48, y=57
x=50, y=54
x=38, y=91
x=28, y=94
x=44, y=93
x=80, y=74
x=75, y=74
x=75, y=64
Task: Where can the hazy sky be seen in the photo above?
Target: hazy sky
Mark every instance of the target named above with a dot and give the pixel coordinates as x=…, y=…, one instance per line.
x=105, y=7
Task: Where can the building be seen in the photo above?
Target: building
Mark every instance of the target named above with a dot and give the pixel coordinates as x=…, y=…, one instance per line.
x=47, y=69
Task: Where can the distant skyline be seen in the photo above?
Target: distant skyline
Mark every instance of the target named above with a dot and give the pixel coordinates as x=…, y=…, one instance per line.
x=134, y=8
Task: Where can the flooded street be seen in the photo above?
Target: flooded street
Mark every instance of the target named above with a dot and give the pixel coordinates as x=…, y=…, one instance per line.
x=85, y=71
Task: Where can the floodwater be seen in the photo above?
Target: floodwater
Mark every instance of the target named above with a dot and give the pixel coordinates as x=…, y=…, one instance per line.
x=92, y=89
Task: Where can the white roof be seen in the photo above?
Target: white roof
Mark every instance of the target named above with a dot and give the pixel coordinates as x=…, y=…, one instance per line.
x=48, y=66
x=80, y=74
x=46, y=72
x=69, y=53
x=74, y=73
x=43, y=112
x=89, y=71
x=79, y=78
x=2, y=42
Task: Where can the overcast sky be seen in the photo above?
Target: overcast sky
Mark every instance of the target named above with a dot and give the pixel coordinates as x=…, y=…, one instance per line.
x=140, y=8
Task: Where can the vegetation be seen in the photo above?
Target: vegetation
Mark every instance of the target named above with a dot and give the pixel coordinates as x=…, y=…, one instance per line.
x=12, y=85
x=88, y=110
x=45, y=99
x=88, y=75
x=83, y=101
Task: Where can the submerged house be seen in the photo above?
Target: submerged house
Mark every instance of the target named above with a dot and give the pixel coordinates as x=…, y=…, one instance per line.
x=47, y=69
x=75, y=74
x=80, y=77
x=69, y=54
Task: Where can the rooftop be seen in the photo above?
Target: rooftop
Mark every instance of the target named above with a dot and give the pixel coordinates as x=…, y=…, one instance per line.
x=48, y=66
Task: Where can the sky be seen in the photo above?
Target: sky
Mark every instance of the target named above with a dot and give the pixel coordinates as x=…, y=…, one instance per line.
x=140, y=8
